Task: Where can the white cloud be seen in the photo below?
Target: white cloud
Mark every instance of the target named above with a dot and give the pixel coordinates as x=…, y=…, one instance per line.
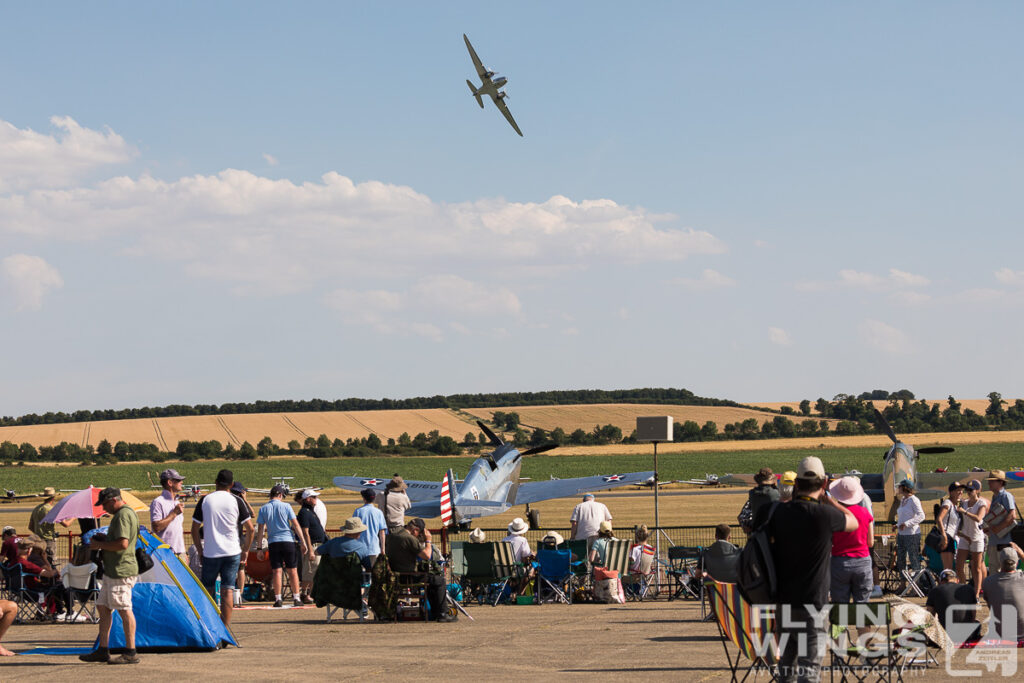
x=905, y=279
x=25, y=280
x=779, y=336
x=270, y=159
x=855, y=278
x=456, y=294
x=1011, y=278
x=35, y=160
x=911, y=298
x=884, y=337
x=896, y=281
x=709, y=279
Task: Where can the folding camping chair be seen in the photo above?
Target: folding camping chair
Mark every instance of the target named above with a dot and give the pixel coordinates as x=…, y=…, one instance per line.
x=748, y=629
x=340, y=584
x=580, y=566
x=411, y=594
x=554, y=576
x=637, y=584
x=475, y=573
x=684, y=566
x=504, y=568
x=81, y=585
x=853, y=659
x=31, y=602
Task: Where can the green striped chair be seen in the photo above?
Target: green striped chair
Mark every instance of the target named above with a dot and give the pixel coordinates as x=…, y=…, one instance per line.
x=504, y=568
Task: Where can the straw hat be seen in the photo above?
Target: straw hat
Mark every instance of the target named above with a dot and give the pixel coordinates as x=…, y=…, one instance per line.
x=353, y=525
x=49, y=492
x=997, y=475
x=847, y=490
x=518, y=527
x=477, y=535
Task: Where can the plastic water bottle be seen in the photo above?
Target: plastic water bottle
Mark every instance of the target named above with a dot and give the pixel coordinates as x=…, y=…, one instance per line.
x=216, y=590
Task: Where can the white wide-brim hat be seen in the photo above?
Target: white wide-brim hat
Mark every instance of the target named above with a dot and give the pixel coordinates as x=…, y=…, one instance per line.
x=477, y=535
x=518, y=526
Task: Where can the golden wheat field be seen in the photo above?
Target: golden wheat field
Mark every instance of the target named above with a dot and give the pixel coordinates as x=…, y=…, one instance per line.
x=622, y=415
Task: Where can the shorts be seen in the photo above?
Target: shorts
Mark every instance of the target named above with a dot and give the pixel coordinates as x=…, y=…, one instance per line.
x=309, y=567
x=971, y=545
x=284, y=554
x=225, y=568
x=116, y=594
x=951, y=546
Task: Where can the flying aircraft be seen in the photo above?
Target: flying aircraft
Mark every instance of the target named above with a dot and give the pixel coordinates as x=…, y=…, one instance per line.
x=490, y=86
x=491, y=487
x=899, y=463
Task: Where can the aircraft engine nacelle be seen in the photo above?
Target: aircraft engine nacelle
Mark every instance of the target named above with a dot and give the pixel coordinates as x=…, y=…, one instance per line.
x=500, y=82
x=489, y=74
x=502, y=95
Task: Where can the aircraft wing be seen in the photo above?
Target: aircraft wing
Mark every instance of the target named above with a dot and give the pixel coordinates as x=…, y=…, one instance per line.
x=737, y=479
x=418, y=491
x=507, y=114
x=480, y=68
x=535, y=491
x=942, y=480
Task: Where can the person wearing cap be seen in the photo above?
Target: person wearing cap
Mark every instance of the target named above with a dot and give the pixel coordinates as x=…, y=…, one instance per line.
x=599, y=548
x=396, y=502
x=948, y=522
x=521, y=552
x=1005, y=588
x=786, y=483
x=277, y=520
x=35, y=573
x=350, y=541
x=120, y=573
x=167, y=513
x=801, y=550
x=215, y=524
x=313, y=534
x=971, y=536
x=586, y=518
x=909, y=516
x=1000, y=530
x=955, y=605
x=239, y=491
x=375, y=523
x=46, y=530
x=851, y=568
x=404, y=548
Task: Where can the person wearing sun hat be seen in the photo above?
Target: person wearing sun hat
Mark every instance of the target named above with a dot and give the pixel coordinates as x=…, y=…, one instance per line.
x=45, y=530
x=350, y=541
x=477, y=535
x=851, y=550
x=517, y=529
x=599, y=550
x=909, y=516
x=1001, y=527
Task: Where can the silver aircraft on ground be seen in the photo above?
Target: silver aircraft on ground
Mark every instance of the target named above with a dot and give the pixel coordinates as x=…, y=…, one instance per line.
x=491, y=487
x=491, y=87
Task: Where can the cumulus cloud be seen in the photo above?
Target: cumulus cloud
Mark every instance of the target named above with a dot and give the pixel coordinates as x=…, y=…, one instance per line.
x=1010, y=278
x=37, y=160
x=709, y=279
x=26, y=280
x=779, y=336
x=884, y=337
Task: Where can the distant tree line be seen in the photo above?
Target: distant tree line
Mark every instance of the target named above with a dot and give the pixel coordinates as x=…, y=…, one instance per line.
x=665, y=396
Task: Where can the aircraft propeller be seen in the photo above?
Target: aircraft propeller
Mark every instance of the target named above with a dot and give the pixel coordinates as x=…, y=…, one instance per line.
x=926, y=450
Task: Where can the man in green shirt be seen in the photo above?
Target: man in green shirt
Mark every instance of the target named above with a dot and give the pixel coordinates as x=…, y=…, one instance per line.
x=120, y=572
x=45, y=530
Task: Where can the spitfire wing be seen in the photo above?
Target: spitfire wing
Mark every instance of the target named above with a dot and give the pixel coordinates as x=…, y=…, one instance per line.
x=417, y=491
x=535, y=491
x=942, y=480
x=508, y=115
x=737, y=479
x=480, y=69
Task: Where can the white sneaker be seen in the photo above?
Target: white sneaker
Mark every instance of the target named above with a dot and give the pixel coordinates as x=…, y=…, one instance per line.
x=876, y=592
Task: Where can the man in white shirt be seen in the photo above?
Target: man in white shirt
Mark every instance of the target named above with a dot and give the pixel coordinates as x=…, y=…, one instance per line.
x=586, y=519
x=909, y=516
x=167, y=513
x=219, y=515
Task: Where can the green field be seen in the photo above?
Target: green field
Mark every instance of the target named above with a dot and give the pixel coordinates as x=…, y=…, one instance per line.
x=319, y=472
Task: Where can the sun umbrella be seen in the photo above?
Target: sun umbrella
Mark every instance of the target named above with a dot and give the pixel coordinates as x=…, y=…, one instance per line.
x=83, y=503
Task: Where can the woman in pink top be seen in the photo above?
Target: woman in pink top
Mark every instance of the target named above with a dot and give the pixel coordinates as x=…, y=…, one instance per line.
x=851, y=550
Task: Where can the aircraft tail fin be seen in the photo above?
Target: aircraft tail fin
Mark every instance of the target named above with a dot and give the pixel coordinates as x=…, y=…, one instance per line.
x=476, y=94
x=448, y=493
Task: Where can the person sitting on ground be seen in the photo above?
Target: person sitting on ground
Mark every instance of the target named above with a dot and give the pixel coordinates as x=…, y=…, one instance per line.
x=350, y=541
x=1006, y=589
x=9, y=549
x=971, y=537
x=396, y=502
x=8, y=612
x=851, y=568
x=405, y=549
x=786, y=486
x=521, y=553
x=477, y=535
x=721, y=559
x=641, y=556
x=955, y=605
x=599, y=550
x=39, y=577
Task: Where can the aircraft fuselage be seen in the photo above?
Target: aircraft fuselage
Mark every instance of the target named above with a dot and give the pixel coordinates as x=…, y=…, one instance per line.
x=493, y=479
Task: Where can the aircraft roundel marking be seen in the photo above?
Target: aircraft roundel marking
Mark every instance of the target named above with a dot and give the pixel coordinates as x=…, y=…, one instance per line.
x=370, y=482
x=614, y=477
x=1018, y=475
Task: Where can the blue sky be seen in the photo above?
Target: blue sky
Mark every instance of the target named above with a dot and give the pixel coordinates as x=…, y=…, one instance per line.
x=210, y=202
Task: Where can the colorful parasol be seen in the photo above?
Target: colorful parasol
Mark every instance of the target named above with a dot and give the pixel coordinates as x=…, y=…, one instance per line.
x=81, y=504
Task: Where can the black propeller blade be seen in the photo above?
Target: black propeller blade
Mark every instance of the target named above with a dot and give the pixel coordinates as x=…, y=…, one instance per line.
x=884, y=424
x=539, y=449
x=928, y=450
x=495, y=441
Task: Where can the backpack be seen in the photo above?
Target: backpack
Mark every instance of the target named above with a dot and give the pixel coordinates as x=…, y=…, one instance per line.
x=756, y=569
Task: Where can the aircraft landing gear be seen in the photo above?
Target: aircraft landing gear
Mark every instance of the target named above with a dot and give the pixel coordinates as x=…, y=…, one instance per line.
x=533, y=517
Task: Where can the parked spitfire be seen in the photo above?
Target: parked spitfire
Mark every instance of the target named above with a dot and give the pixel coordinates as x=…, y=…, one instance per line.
x=491, y=87
x=492, y=486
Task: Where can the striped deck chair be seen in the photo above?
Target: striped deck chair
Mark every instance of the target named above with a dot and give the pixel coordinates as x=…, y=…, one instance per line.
x=749, y=631
x=504, y=568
